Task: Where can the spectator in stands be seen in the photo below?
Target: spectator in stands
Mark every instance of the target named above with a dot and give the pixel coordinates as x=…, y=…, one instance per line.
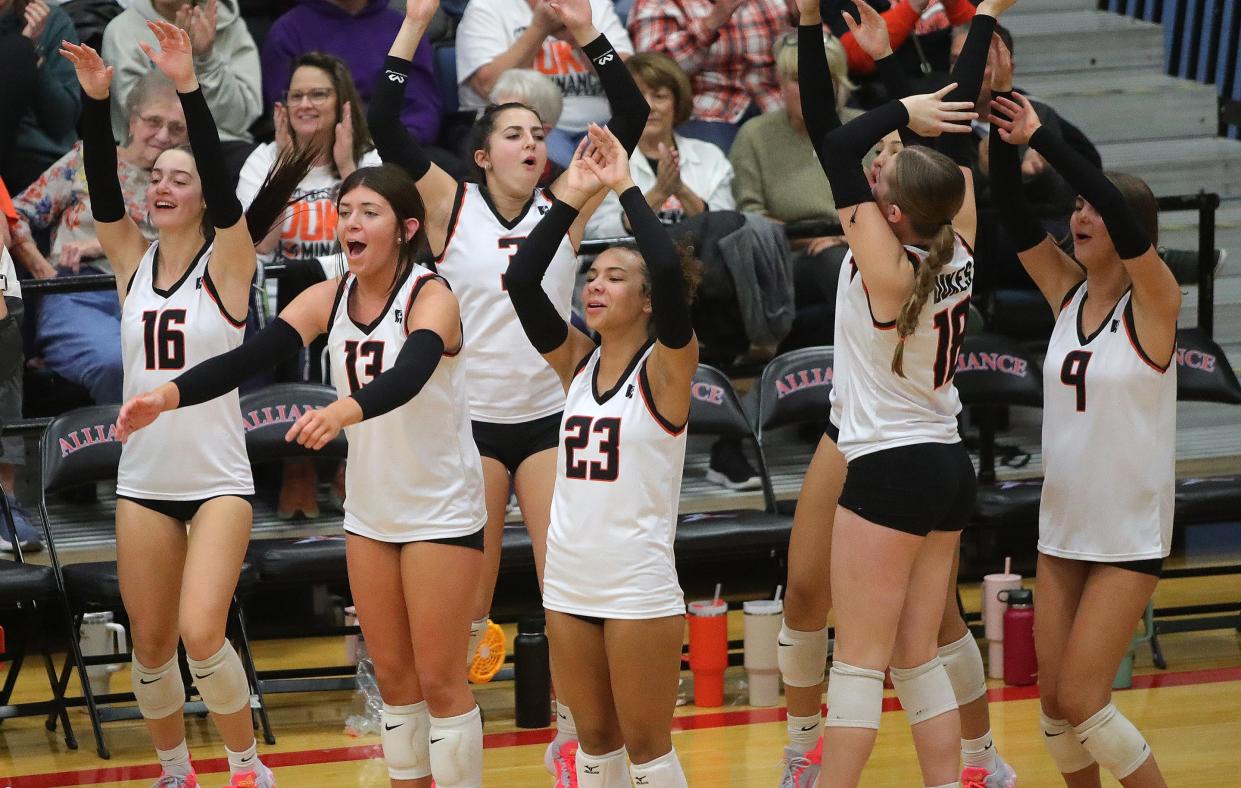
x=39, y=99
x=932, y=25
x=537, y=91
x=79, y=334
x=321, y=108
x=226, y=61
x=725, y=47
x=680, y=177
x=12, y=449
x=497, y=35
x=358, y=32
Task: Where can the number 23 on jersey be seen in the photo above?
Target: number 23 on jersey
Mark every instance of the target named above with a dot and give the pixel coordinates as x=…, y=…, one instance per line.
x=583, y=432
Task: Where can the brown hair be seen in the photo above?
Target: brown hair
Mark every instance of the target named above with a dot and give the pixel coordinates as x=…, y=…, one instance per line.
x=929, y=188
x=395, y=185
x=658, y=71
x=485, y=126
x=691, y=267
x=1141, y=201
x=342, y=82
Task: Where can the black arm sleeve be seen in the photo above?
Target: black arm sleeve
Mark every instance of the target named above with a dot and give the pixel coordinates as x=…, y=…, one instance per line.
x=818, y=93
x=393, y=141
x=401, y=382
x=221, y=374
x=222, y=204
x=107, y=202
x=896, y=82
x=674, y=327
x=1094, y=187
x=1007, y=194
x=968, y=73
x=842, y=151
x=544, y=326
x=629, y=107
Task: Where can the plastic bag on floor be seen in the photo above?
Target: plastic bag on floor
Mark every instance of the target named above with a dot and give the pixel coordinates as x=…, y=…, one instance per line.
x=367, y=703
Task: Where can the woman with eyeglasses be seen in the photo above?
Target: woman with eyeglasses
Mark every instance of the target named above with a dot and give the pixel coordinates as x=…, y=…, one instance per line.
x=79, y=334
x=320, y=109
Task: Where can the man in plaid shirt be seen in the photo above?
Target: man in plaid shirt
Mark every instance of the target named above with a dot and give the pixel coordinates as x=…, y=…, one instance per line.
x=725, y=47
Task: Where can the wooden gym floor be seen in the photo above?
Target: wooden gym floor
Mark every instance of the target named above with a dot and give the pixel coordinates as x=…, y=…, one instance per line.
x=1190, y=714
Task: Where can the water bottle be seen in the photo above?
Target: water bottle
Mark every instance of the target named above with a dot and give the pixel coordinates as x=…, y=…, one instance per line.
x=1020, y=661
x=532, y=682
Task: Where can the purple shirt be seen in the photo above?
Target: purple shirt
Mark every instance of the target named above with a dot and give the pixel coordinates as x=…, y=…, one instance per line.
x=361, y=41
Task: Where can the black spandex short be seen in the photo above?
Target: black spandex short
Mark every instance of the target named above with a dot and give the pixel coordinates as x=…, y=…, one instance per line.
x=473, y=541
x=832, y=431
x=915, y=489
x=179, y=510
x=1151, y=566
x=511, y=444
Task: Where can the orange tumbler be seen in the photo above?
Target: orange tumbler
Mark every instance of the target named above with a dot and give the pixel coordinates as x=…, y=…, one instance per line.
x=708, y=650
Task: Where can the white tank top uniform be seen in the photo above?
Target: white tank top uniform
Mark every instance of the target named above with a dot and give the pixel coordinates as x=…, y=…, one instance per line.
x=414, y=473
x=1109, y=441
x=614, y=510
x=192, y=453
x=510, y=383
x=875, y=408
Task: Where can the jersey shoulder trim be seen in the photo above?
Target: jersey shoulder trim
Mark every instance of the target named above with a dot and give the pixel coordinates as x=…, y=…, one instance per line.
x=1132, y=332
x=413, y=296
x=965, y=244
x=581, y=365
x=340, y=292
x=648, y=399
x=1064, y=302
x=454, y=217
x=214, y=294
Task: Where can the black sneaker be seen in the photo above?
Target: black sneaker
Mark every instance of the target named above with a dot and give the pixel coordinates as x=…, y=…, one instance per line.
x=730, y=468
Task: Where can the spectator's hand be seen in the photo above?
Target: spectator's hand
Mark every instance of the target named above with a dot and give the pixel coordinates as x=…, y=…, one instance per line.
x=280, y=119
x=1016, y=122
x=36, y=16
x=607, y=159
x=995, y=7
x=342, y=148
x=200, y=22
x=575, y=16
x=668, y=174
x=930, y=115
x=175, y=56
x=1032, y=164
x=1000, y=61
x=823, y=243
x=420, y=12
x=143, y=409
x=545, y=18
x=872, y=33
x=71, y=257
x=94, y=75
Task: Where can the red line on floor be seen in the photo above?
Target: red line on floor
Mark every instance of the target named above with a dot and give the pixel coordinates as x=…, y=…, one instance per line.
x=690, y=722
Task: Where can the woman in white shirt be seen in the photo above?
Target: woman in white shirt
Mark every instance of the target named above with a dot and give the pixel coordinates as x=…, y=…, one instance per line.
x=681, y=177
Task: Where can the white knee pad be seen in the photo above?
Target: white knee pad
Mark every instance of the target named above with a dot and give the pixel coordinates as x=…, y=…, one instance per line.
x=963, y=661
x=1066, y=751
x=406, y=741
x=663, y=772
x=1113, y=741
x=160, y=691
x=478, y=628
x=602, y=771
x=221, y=681
x=925, y=691
x=854, y=697
x=457, y=750
x=802, y=656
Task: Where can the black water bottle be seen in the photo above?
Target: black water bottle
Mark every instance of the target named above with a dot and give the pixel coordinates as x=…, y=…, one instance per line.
x=533, y=678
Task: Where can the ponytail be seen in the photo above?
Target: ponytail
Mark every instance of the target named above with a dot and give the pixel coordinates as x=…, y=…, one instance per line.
x=277, y=190
x=924, y=282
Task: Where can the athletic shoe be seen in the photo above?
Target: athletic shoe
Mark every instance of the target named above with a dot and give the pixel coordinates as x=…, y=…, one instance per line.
x=29, y=536
x=729, y=467
x=978, y=777
x=263, y=778
x=566, y=766
x=801, y=770
x=297, y=489
x=177, y=781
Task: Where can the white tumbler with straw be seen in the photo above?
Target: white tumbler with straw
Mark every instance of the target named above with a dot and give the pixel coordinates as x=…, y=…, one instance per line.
x=762, y=668
x=993, y=615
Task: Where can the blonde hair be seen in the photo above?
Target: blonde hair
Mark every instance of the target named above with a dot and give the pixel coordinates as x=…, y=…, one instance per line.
x=785, y=54
x=929, y=188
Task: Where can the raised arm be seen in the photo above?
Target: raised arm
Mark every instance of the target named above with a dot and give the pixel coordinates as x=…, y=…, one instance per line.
x=898, y=24
x=393, y=141
x=818, y=92
x=119, y=235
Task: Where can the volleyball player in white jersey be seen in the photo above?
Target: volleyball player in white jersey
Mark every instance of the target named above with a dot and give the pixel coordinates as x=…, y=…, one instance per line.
x=615, y=613
x=803, y=638
x=184, y=298
x=1109, y=439
x=414, y=511
x=474, y=229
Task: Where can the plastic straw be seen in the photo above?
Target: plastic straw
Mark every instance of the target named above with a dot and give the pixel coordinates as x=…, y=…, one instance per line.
x=718, y=588
x=1008, y=564
x=779, y=591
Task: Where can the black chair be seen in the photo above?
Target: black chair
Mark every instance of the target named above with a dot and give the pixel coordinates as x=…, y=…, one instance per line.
x=31, y=597
x=296, y=562
x=78, y=448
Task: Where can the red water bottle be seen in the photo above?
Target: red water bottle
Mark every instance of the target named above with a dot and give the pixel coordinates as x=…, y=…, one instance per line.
x=1020, y=661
